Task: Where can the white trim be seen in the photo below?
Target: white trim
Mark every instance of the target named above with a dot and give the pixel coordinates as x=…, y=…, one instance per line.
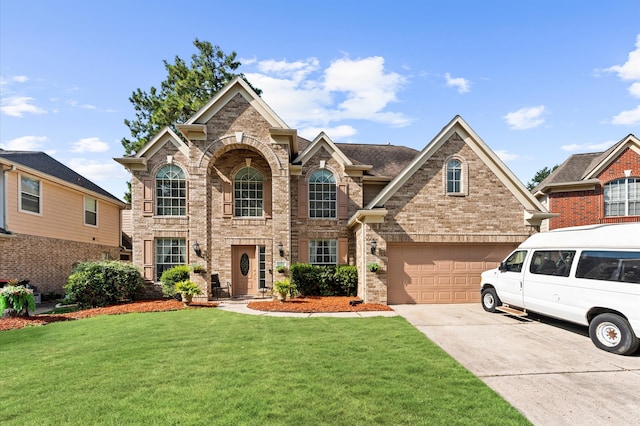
x=629, y=142
x=322, y=140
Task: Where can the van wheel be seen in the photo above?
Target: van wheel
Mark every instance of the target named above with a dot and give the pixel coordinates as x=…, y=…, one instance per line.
x=612, y=333
x=490, y=299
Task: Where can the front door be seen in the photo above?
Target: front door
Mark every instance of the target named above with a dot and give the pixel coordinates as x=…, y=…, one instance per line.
x=243, y=270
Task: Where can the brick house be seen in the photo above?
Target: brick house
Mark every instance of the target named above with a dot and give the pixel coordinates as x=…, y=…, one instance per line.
x=592, y=188
x=241, y=193
x=51, y=218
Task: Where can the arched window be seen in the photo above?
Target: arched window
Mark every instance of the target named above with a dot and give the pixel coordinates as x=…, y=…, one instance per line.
x=322, y=194
x=171, y=194
x=622, y=197
x=248, y=193
x=454, y=177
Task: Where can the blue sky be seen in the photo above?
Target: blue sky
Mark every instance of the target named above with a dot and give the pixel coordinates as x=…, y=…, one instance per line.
x=537, y=80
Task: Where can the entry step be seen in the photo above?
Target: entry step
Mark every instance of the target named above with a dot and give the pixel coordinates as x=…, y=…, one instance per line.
x=512, y=311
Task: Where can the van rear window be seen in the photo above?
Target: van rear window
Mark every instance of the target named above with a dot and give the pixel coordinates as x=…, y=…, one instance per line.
x=552, y=262
x=609, y=266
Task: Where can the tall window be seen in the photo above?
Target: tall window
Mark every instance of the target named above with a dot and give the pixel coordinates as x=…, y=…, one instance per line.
x=323, y=252
x=169, y=253
x=90, y=211
x=622, y=197
x=248, y=194
x=171, y=194
x=322, y=194
x=29, y=194
x=454, y=176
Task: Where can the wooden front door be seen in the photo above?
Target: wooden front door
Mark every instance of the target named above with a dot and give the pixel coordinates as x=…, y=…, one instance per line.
x=243, y=270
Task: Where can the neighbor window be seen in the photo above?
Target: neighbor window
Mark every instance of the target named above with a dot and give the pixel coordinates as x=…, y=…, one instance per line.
x=454, y=177
x=90, y=211
x=29, y=194
x=169, y=253
x=622, y=197
x=171, y=193
x=322, y=194
x=248, y=193
x=323, y=252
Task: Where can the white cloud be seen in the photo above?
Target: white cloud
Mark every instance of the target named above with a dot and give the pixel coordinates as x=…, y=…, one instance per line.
x=25, y=143
x=630, y=70
x=525, y=118
x=506, y=156
x=96, y=171
x=634, y=90
x=337, y=133
x=90, y=145
x=75, y=104
x=462, y=84
x=309, y=97
x=16, y=106
x=628, y=118
x=14, y=79
x=588, y=147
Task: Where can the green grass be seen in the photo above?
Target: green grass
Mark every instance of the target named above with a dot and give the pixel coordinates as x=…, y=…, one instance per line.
x=206, y=366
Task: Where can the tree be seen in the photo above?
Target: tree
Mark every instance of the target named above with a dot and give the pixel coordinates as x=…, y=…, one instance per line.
x=187, y=88
x=540, y=176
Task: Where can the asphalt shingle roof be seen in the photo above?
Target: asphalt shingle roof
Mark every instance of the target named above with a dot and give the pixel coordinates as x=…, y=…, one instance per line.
x=44, y=163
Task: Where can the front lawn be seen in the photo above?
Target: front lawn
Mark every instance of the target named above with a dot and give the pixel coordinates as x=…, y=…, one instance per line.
x=206, y=366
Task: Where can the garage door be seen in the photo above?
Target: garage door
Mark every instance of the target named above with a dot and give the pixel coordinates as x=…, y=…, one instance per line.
x=432, y=273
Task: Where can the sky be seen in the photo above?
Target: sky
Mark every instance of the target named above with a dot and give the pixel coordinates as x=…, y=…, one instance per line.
x=538, y=81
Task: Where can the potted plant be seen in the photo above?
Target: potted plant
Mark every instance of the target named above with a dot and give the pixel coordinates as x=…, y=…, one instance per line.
x=281, y=269
x=16, y=300
x=373, y=267
x=198, y=268
x=188, y=289
x=284, y=288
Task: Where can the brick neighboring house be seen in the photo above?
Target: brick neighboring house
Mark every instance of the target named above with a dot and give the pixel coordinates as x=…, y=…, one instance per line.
x=51, y=218
x=241, y=193
x=599, y=187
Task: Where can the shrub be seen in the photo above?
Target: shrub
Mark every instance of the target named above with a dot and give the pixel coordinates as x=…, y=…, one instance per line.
x=313, y=280
x=284, y=288
x=171, y=277
x=188, y=287
x=94, y=284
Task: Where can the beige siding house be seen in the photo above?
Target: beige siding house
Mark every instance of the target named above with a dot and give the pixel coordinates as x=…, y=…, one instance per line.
x=241, y=193
x=50, y=219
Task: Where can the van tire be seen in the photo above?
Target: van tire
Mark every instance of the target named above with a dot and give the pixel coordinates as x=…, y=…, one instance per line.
x=612, y=333
x=490, y=299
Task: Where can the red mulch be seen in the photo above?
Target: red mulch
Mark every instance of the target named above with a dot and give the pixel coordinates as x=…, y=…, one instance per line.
x=124, y=308
x=298, y=304
x=317, y=305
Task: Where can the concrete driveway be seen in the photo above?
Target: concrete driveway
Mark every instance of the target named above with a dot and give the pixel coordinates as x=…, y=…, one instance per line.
x=547, y=369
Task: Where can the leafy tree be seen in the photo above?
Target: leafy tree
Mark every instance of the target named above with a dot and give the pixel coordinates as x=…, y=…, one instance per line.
x=540, y=176
x=187, y=88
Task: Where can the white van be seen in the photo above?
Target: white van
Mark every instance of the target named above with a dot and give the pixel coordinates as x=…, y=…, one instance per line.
x=588, y=275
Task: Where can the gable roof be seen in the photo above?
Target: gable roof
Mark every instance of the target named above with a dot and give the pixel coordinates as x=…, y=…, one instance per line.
x=39, y=163
x=534, y=211
x=579, y=171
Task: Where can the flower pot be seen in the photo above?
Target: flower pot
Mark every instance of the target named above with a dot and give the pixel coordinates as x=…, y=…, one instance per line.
x=187, y=298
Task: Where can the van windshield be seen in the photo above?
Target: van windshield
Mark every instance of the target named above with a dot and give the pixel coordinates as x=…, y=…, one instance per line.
x=609, y=266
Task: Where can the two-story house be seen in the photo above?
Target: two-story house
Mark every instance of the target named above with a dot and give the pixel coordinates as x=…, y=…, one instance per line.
x=50, y=219
x=592, y=188
x=241, y=193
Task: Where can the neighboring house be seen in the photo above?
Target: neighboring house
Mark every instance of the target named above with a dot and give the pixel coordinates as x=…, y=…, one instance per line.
x=599, y=187
x=241, y=193
x=50, y=219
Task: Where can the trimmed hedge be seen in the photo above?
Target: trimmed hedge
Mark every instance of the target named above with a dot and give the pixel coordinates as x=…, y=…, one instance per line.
x=311, y=280
x=93, y=284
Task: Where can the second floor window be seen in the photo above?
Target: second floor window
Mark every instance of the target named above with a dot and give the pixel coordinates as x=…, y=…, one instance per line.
x=622, y=197
x=171, y=194
x=29, y=194
x=248, y=193
x=322, y=195
x=90, y=211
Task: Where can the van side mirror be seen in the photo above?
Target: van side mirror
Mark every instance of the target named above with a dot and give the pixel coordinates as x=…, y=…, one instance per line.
x=502, y=267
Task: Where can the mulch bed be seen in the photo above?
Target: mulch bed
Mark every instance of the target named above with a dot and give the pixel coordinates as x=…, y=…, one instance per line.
x=298, y=304
x=317, y=305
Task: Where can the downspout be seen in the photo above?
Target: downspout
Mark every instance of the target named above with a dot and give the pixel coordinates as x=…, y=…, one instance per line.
x=363, y=261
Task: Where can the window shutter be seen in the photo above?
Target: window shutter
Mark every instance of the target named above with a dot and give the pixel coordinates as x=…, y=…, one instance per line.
x=303, y=250
x=343, y=201
x=147, y=197
x=227, y=200
x=267, y=198
x=147, y=259
x=303, y=201
x=343, y=251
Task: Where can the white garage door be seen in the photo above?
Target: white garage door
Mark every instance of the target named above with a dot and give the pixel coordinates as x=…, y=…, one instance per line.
x=438, y=273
